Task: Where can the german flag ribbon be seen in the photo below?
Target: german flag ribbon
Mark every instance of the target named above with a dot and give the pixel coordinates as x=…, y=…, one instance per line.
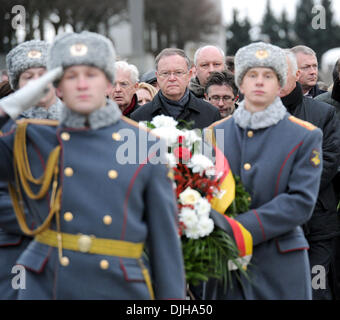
x=226, y=196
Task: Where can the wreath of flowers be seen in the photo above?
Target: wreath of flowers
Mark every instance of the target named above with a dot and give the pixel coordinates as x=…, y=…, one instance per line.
x=208, y=251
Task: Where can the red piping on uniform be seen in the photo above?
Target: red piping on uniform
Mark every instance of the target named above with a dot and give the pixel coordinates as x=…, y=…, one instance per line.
x=290, y=250
x=126, y=277
x=129, y=191
x=12, y=244
x=260, y=223
x=284, y=163
x=126, y=201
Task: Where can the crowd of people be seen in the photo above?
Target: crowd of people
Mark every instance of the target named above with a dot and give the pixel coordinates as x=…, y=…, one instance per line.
x=86, y=226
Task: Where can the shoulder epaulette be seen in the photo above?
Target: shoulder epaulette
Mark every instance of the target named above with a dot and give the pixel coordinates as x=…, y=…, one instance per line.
x=302, y=123
x=219, y=121
x=45, y=122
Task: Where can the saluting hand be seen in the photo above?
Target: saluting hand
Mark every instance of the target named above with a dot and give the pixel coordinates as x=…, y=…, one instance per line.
x=29, y=95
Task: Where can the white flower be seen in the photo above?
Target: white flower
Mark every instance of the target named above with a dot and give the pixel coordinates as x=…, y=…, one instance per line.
x=188, y=217
x=205, y=226
x=190, y=137
x=189, y=196
x=193, y=233
x=199, y=163
x=172, y=160
x=169, y=134
x=203, y=208
x=142, y=124
x=164, y=121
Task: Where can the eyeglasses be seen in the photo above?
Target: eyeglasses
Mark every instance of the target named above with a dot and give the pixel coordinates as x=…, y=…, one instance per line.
x=167, y=74
x=225, y=99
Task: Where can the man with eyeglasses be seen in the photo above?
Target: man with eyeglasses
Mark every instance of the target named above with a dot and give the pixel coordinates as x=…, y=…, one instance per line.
x=308, y=66
x=207, y=59
x=125, y=87
x=174, y=98
x=221, y=92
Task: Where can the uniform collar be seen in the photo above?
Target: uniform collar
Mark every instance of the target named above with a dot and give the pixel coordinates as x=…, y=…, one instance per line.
x=99, y=118
x=262, y=119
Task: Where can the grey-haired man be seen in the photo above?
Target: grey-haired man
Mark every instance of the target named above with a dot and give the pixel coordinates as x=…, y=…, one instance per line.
x=207, y=59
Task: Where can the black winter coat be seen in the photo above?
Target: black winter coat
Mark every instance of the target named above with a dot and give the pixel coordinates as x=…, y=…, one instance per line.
x=324, y=222
x=201, y=112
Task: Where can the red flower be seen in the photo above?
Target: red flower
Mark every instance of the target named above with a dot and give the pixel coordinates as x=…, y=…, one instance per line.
x=182, y=153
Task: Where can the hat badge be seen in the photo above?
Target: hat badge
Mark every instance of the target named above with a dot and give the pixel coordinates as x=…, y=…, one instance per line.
x=34, y=54
x=261, y=54
x=78, y=49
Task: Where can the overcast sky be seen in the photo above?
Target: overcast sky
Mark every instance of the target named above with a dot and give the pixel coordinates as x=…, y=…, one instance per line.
x=256, y=8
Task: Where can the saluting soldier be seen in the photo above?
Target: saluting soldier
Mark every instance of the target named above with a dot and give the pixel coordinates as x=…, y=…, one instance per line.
x=278, y=158
x=25, y=62
x=93, y=212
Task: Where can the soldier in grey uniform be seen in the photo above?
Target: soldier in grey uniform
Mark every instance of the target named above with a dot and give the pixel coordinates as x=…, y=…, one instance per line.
x=279, y=160
x=25, y=62
x=94, y=211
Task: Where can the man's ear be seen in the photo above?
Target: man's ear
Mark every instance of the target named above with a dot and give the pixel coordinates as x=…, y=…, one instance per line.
x=58, y=92
x=206, y=97
x=298, y=74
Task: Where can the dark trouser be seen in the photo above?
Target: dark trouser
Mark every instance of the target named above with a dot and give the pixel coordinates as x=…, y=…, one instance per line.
x=321, y=257
x=335, y=270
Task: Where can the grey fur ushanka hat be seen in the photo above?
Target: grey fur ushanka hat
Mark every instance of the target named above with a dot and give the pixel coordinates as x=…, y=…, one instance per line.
x=29, y=54
x=260, y=54
x=85, y=48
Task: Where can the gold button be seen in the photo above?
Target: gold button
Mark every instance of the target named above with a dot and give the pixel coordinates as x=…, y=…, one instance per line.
x=116, y=136
x=247, y=166
x=250, y=134
x=84, y=243
x=68, y=172
x=64, y=261
x=65, y=136
x=113, y=174
x=104, y=264
x=68, y=216
x=107, y=219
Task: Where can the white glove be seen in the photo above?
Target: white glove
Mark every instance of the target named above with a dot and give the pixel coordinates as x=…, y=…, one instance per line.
x=29, y=95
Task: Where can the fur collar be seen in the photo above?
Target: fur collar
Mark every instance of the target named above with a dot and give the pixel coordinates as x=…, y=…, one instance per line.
x=99, y=118
x=53, y=112
x=262, y=119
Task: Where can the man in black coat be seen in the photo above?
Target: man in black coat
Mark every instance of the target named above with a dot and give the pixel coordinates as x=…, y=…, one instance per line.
x=308, y=66
x=322, y=228
x=174, y=98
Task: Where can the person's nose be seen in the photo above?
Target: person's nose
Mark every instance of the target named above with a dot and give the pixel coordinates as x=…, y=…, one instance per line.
x=82, y=82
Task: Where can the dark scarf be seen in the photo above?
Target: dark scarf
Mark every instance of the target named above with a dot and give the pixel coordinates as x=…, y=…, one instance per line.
x=293, y=99
x=174, y=108
x=336, y=90
x=131, y=107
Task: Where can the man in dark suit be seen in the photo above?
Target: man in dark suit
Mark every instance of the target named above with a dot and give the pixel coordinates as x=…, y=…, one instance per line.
x=174, y=98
